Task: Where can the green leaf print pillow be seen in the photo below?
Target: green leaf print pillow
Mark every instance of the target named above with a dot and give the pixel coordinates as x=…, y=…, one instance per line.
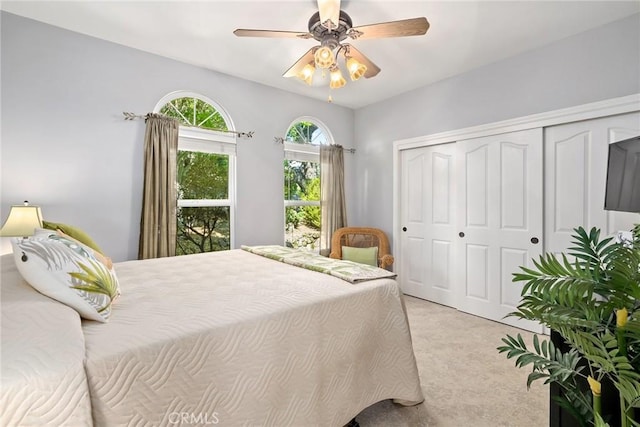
x=69, y=272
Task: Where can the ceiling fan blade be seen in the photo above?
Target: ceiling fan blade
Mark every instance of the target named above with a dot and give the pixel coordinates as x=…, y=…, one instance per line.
x=329, y=10
x=372, y=69
x=402, y=28
x=300, y=63
x=272, y=34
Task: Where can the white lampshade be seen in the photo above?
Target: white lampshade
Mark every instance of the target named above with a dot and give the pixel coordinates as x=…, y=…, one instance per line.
x=22, y=221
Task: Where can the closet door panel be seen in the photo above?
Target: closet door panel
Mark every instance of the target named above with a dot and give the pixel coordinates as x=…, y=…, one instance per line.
x=500, y=206
x=441, y=173
x=477, y=267
x=428, y=220
x=510, y=262
x=413, y=268
x=575, y=176
x=413, y=249
x=572, y=190
x=513, y=203
x=476, y=207
x=440, y=274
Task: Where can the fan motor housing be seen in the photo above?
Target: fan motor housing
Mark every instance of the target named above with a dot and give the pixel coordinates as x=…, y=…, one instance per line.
x=330, y=38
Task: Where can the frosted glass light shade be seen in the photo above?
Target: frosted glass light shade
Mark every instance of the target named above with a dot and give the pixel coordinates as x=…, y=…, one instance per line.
x=336, y=80
x=22, y=221
x=356, y=69
x=324, y=57
x=306, y=75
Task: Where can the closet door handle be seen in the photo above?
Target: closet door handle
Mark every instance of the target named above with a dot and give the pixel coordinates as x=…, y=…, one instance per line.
x=461, y=234
x=534, y=240
x=404, y=228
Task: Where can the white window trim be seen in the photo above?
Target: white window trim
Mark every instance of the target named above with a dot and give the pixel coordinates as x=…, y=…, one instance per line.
x=213, y=142
x=190, y=94
x=203, y=203
x=294, y=203
x=197, y=134
x=185, y=144
x=292, y=147
x=301, y=152
x=304, y=153
x=319, y=124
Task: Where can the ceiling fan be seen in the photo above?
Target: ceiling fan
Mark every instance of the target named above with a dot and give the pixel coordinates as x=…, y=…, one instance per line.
x=331, y=26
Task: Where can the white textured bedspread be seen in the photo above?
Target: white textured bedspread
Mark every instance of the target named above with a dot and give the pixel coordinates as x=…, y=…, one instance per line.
x=232, y=338
x=42, y=377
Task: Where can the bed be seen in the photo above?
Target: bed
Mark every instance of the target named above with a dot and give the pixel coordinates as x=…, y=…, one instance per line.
x=230, y=337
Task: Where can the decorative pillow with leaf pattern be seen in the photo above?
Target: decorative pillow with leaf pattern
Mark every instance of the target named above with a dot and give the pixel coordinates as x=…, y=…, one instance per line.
x=69, y=272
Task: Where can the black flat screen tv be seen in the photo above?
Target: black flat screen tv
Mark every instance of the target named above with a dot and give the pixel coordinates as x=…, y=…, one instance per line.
x=623, y=176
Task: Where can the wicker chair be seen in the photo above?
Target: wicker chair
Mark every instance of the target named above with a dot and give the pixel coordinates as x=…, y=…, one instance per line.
x=362, y=237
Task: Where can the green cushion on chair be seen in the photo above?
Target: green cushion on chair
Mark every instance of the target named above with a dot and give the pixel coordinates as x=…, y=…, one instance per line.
x=74, y=232
x=367, y=256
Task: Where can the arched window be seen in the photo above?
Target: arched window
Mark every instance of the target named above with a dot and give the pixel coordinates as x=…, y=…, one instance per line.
x=302, y=182
x=205, y=173
x=308, y=130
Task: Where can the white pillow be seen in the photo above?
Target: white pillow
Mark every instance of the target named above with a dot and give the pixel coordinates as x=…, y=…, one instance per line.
x=43, y=232
x=69, y=272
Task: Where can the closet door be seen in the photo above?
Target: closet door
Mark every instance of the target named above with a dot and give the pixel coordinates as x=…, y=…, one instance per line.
x=499, y=226
x=428, y=223
x=575, y=175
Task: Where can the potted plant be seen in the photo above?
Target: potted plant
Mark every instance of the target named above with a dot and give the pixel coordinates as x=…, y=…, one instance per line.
x=591, y=298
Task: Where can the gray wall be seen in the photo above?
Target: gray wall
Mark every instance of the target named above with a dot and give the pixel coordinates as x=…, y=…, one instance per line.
x=66, y=147
x=599, y=64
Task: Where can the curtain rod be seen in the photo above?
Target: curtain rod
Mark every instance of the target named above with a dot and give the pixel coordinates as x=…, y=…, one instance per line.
x=132, y=116
x=281, y=140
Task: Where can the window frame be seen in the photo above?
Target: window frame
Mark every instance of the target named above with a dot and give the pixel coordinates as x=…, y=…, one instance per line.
x=303, y=152
x=191, y=138
x=319, y=124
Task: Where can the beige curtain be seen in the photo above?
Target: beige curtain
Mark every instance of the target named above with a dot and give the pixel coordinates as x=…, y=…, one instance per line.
x=159, y=200
x=332, y=199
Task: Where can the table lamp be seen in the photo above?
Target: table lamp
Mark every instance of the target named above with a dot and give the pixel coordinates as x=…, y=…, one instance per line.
x=22, y=222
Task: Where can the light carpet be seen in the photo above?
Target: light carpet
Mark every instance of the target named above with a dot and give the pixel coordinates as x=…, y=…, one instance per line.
x=465, y=381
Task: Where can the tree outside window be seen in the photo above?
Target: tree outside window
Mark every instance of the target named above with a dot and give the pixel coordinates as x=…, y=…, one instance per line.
x=205, y=165
x=302, y=184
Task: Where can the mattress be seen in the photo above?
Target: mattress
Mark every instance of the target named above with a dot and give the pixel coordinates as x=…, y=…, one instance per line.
x=237, y=339
x=42, y=357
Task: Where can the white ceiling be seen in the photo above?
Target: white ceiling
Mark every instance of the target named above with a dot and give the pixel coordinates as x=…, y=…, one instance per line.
x=463, y=35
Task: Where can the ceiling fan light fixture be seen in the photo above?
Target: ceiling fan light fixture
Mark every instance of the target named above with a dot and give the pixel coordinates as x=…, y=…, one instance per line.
x=324, y=57
x=331, y=26
x=356, y=69
x=306, y=75
x=336, y=80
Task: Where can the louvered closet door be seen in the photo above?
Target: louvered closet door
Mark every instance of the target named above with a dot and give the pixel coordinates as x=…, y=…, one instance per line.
x=426, y=266
x=575, y=175
x=499, y=226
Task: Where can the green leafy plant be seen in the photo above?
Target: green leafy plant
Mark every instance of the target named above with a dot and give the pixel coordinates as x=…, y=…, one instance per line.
x=591, y=297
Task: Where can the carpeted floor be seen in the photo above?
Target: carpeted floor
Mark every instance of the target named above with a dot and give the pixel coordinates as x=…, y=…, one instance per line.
x=465, y=381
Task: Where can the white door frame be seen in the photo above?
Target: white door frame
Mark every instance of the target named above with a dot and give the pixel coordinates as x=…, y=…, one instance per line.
x=609, y=107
